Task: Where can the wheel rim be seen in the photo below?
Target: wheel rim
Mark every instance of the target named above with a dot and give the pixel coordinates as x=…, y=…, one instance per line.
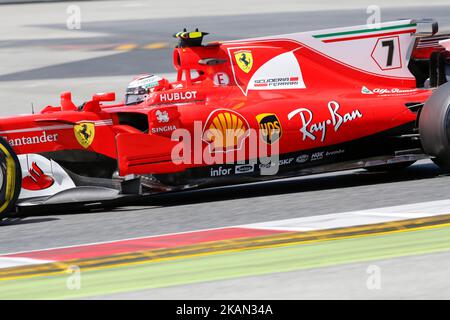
x=8, y=179
x=2, y=175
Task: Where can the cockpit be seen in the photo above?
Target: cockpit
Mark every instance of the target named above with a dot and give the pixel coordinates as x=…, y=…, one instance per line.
x=139, y=89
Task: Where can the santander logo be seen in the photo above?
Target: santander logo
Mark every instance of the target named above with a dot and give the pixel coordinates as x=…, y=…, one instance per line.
x=37, y=179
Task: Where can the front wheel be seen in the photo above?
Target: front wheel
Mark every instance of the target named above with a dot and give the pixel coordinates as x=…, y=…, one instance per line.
x=10, y=179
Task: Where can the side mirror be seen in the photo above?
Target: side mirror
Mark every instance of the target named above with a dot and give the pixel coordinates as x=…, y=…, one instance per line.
x=106, y=96
x=66, y=102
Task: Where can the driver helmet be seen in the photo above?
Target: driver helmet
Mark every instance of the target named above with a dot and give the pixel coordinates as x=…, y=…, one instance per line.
x=139, y=88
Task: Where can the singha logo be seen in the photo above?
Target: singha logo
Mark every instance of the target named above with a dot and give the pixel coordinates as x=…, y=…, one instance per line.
x=162, y=116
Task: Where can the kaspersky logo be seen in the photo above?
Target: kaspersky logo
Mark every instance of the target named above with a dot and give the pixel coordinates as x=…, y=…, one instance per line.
x=225, y=130
x=269, y=127
x=244, y=60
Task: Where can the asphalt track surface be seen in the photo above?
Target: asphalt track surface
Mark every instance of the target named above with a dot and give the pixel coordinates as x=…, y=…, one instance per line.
x=229, y=206
x=192, y=210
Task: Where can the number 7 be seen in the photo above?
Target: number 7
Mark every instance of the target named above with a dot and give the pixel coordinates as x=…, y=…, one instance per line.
x=390, y=45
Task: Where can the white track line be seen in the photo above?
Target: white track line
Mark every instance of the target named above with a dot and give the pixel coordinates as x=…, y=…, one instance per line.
x=355, y=218
x=17, y=262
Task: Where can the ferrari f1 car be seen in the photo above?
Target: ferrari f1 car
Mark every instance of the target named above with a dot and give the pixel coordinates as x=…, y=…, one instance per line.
x=373, y=97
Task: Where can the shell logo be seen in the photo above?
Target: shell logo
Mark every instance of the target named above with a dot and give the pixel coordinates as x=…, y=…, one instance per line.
x=225, y=130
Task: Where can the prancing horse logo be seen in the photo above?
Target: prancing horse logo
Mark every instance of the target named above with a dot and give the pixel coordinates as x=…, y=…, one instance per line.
x=85, y=133
x=244, y=60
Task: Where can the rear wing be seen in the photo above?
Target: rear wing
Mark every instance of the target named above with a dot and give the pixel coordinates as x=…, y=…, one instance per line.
x=427, y=45
x=429, y=40
x=430, y=55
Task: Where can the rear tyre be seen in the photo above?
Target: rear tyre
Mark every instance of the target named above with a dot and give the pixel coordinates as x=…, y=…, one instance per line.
x=434, y=126
x=10, y=179
x=390, y=167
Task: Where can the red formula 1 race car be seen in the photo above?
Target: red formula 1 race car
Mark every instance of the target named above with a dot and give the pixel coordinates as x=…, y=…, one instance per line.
x=240, y=111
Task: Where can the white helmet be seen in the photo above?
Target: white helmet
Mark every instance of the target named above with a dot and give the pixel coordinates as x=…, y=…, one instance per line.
x=138, y=89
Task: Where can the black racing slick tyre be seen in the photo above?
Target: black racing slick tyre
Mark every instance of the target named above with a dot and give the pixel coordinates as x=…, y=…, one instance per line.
x=434, y=126
x=10, y=179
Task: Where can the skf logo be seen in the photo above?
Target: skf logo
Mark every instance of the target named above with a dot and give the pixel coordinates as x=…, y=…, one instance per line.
x=225, y=130
x=244, y=60
x=85, y=133
x=269, y=127
x=37, y=179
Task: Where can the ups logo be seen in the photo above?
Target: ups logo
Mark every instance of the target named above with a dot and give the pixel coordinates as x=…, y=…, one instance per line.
x=269, y=127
